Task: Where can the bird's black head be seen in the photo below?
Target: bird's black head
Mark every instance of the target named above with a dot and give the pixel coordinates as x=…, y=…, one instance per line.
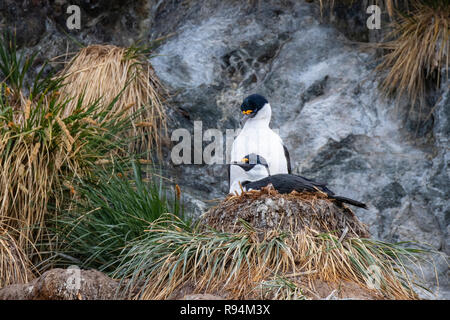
x=251, y=160
x=252, y=104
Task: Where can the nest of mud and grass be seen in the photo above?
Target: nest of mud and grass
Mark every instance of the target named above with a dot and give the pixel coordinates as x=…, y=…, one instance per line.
x=266, y=209
x=265, y=245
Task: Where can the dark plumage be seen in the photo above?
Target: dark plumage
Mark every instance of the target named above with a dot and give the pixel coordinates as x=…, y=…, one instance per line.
x=252, y=104
x=286, y=183
x=288, y=159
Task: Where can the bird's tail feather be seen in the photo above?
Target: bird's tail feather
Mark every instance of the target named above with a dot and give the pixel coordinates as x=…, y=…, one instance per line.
x=350, y=201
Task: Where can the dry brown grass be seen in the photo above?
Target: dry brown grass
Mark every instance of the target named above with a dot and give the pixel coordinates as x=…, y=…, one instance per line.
x=46, y=141
x=51, y=134
x=41, y=153
x=25, y=181
x=104, y=71
x=262, y=263
x=418, y=50
x=14, y=264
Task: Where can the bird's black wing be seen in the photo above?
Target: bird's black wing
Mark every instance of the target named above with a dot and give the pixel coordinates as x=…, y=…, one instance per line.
x=283, y=183
x=349, y=201
x=229, y=176
x=288, y=159
x=321, y=185
x=286, y=183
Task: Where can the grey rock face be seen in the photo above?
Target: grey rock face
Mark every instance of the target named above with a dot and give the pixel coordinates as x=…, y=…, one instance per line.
x=327, y=107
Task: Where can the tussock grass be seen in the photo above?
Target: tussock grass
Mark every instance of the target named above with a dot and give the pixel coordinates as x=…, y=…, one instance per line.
x=41, y=154
x=418, y=50
x=43, y=146
x=417, y=46
x=14, y=264
x=242, y=265
x=112, y=208
x=104, y=71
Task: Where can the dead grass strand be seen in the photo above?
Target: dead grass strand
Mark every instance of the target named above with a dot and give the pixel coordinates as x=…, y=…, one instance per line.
x=105, y=71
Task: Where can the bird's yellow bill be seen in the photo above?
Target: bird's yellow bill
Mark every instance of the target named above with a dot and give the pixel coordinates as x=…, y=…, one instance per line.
x=245, y=160
x=247, y=111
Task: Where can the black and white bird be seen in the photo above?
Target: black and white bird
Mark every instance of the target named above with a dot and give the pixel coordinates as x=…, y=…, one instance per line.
x=258, y=138
x=257, y=175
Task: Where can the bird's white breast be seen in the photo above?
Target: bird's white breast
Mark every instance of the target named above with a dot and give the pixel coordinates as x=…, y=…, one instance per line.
x=263, y=142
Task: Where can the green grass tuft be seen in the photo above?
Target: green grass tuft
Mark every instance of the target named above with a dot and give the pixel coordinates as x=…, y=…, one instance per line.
x=111, y=210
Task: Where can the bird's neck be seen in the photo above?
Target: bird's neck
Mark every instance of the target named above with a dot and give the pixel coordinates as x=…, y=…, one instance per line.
x=252, y=124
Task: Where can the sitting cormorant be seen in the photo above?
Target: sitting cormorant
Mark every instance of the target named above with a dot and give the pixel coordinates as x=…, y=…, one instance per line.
x=257, y=176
